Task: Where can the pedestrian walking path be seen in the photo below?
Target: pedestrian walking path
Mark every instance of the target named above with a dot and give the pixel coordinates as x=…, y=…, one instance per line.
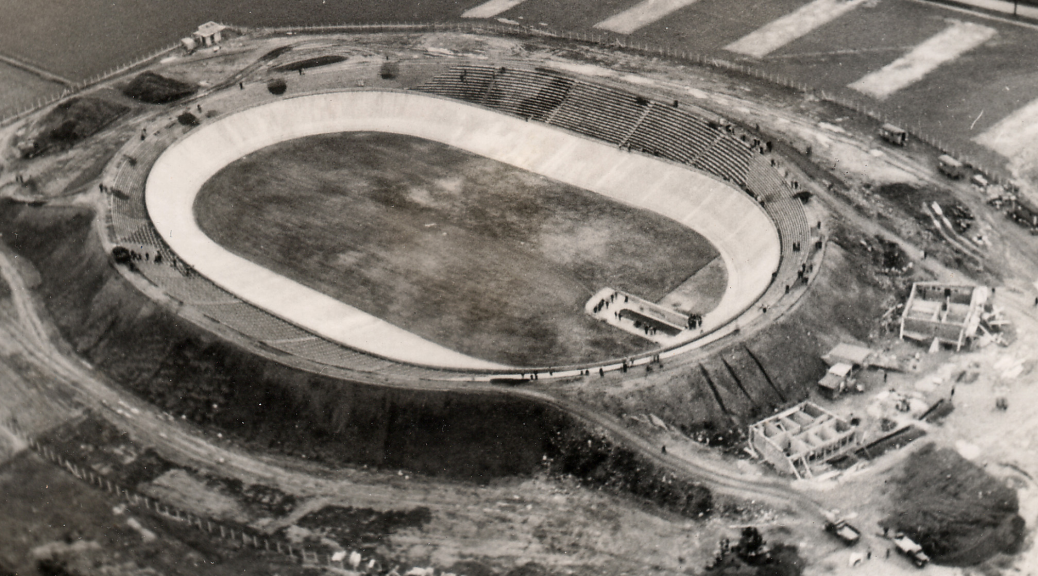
x=1002, y=6
x=491, y=8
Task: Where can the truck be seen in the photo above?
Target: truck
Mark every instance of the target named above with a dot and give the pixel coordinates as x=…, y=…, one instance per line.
x=893, y=134
x=848, y=534
x=950, y=167
x=908, y=548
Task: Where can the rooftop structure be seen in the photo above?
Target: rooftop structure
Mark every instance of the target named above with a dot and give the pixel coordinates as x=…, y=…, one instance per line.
x=849, y=354
x=802, y=436
x=947, y=313
x=208, y=34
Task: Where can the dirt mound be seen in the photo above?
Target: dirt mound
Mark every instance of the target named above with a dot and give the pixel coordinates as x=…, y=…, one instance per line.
x=67, y=123
x=154, y=89
x=363, y=527
x=273, y=54
x=309, y=63
x=955, y=510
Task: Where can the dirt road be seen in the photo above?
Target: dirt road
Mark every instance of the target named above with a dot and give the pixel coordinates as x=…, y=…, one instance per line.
x=30, y=337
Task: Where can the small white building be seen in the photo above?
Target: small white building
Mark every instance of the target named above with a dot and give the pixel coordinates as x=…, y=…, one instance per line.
x=209, y=34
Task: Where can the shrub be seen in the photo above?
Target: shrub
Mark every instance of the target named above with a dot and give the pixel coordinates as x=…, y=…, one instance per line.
x=277, y=86
x=389, y=70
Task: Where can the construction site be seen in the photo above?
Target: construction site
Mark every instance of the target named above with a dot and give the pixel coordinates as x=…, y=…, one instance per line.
x=472, y=298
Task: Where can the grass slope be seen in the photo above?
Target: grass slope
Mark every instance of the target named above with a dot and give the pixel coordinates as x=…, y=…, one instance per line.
x=468, y=252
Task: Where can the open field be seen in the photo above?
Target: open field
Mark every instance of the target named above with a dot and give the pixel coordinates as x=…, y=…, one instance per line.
x=478, y=256
x=20, y=88
x=96, y=35
x=56, y=525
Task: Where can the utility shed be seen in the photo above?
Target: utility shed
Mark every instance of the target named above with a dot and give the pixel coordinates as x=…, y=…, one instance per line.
x=843, y=353
x=209, y=34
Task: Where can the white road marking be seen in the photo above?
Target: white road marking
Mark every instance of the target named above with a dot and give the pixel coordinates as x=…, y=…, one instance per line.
x=641, y=15
x=1015, y=135
x=778, y=33
x=946, y=46
x=491, y=8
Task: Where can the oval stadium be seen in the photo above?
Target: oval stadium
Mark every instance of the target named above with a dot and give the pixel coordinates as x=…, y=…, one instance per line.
x=648, y=288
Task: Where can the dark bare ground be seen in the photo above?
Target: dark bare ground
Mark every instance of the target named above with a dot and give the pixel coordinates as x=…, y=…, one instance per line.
x=478, y=256
x=955, y=510
x=69, y=123
x=55, y=524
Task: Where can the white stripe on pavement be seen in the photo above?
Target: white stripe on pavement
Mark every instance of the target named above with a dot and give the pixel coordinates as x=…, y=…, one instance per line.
x=946, y=46
x=641, y=15
x=1015, y=135
x=491, y=8
x=778, y=33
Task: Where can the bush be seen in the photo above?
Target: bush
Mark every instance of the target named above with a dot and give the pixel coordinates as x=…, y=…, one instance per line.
x=389, y=70
x=277, y=86
x=187, y=119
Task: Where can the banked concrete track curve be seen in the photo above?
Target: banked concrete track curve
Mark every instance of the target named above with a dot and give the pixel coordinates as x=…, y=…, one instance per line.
x=737, y=226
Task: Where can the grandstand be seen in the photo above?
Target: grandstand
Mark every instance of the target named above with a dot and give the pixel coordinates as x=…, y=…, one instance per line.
x=532, y=95
x=674, y=134
x=600, y=112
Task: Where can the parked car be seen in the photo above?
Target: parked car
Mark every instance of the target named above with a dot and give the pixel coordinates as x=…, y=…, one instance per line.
x=848, y=534
x=907, y=547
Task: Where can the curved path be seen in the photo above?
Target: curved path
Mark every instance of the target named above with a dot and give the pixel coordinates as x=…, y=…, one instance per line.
x=32, y=337
x=737, y=226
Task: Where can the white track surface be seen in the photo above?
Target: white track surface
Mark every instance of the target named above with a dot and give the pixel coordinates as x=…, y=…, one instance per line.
x=741, y=231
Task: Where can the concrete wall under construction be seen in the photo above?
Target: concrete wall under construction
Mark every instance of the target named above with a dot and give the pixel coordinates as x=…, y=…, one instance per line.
x=802, y=436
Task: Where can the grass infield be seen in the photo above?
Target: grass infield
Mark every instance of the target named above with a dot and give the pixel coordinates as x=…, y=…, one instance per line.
x=476, y=255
